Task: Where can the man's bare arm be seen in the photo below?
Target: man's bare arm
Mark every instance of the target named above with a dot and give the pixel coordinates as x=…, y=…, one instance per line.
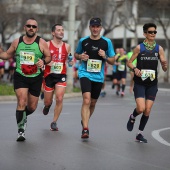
x=5, y=55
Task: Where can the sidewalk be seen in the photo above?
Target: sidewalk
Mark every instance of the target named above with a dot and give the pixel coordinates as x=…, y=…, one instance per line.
x=13, y=98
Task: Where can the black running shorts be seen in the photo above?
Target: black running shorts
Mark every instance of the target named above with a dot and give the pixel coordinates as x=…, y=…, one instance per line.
x=32, y=83
x=90, y=86
x=147, y=92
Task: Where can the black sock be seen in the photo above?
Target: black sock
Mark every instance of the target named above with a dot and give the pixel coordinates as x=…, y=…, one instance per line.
x=135, y=113
x=48, y=106
x=143, y=121
x=28, y=112
x=21, y=119
x=19, y=115
x=123, y=87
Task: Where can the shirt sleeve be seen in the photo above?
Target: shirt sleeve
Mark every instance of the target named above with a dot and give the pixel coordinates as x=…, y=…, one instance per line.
x=110, y=52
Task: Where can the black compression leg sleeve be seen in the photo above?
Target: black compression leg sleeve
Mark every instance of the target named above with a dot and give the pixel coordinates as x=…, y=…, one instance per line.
x=21, y=119
x=123, y=87
x=143, y=121
x=19, y=115
x=28, y=112
x=135, y=113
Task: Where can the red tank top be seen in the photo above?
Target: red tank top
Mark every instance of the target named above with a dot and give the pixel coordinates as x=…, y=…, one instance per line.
x=59, y=57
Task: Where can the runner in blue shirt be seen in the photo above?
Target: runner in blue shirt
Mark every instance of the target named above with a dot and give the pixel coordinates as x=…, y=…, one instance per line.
x=93, y=51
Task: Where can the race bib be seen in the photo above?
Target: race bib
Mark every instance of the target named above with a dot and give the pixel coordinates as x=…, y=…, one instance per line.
x=148, y=73
x=94, y=65
x=121, y=67
x=56, y=68
x=27, y=58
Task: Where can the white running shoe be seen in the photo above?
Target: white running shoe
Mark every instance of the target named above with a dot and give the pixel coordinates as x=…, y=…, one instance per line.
x=21, y=136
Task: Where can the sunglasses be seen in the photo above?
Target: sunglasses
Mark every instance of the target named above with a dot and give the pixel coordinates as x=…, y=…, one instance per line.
x=151, y=32
x=33, y=26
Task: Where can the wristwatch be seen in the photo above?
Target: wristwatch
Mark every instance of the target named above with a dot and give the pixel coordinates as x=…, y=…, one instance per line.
x=106, y=57
x=134, y=69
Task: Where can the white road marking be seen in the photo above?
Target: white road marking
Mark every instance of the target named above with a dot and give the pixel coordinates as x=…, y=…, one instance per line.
x=156, y=135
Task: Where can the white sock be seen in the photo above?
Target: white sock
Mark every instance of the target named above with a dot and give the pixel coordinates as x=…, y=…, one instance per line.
x=140, y=132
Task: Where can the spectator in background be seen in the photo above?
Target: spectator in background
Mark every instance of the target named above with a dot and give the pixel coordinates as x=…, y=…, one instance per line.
x=75, y=72
x=121, y=71
x=2, y=69
x=103, y=92
x=114, y=72
x=12, y=65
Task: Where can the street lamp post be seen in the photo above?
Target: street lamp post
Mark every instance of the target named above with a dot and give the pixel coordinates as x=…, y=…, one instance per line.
x=71, y=31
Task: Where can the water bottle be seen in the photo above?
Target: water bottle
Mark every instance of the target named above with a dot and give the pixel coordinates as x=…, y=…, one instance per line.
x=70, y=57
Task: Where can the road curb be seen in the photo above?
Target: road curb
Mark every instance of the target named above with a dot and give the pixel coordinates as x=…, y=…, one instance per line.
x=13, y=98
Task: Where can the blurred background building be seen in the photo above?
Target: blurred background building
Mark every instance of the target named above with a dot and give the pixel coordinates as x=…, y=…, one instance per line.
x=122, y=19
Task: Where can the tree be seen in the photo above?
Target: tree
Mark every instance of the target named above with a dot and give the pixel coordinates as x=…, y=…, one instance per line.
x=106, y=10
x=7, y=21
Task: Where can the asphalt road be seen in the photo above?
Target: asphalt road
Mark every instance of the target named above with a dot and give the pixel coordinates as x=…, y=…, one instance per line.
x=110, y=146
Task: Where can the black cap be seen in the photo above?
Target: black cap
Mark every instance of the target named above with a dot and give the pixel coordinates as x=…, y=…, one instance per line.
x=95, y=21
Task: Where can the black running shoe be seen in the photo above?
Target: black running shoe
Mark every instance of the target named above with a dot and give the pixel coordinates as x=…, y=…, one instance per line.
x=54, y=126
x=46, y=110
x=140, y=138
x=21, y=135
x=117, y=93
x=130, y=124
x=85, y=133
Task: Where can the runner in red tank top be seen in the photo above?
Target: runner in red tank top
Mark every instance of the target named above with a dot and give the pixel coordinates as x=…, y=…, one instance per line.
x=59, y=57
x=55, y=74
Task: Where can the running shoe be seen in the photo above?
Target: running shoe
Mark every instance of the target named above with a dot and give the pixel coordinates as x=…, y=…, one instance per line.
x=103, y=94
x=54, y=126
x=21, y=135
x=140, y=138
x=46, y=110
x=85, y=133
x=122, y=94
x=130, y=123
x=117, y=93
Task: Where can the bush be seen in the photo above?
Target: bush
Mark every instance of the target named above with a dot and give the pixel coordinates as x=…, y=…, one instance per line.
x=6, y=89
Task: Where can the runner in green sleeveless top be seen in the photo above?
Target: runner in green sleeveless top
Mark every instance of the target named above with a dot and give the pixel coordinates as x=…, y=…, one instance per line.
x=129, y=55
x=32, y=54
x=27, y=55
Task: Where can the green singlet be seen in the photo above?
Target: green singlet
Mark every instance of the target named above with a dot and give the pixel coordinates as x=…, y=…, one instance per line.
x=27, y=56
